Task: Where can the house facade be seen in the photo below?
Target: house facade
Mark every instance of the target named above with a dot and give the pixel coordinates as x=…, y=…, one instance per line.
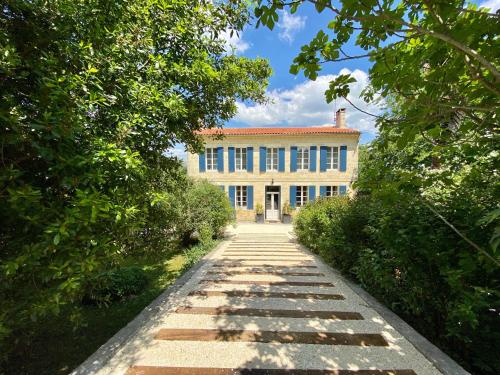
x=272, y=166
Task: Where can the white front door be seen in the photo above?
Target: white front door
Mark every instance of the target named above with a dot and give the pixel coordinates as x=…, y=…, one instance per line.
x=272, y=206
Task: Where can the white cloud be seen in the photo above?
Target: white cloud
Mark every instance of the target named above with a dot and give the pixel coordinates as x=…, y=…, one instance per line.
x=493, y=5
x=305, y=105
x=179, y=151
x=235, y=42
x=289, y=25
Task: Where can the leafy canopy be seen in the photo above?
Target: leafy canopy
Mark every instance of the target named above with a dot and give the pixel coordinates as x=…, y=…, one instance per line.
x=435, y=68
x=439, y=58
x=92, y=95
x=427, y=211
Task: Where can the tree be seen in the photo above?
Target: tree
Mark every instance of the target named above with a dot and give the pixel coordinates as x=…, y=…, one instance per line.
x=435, y=69
x=93, y=93
x=435, y=66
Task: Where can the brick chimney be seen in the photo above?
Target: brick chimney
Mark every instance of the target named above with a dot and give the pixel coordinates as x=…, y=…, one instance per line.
x=340, y=118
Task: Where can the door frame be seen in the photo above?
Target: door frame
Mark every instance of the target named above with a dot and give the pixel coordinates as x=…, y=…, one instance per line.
x=278, y=191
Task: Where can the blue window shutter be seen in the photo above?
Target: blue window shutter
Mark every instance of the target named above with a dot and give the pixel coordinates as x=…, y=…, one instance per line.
x=220, y=159
x=312, y=158
x=262, y=157
x=322, y=158
x=293, y=159
x=250, y=159
x=312, y=193
x=343, y=158
x=281, y=159
x=293, y=195
x=250, y=197
x=230, y=158
x=342, y=190
x=232, y=195
x=322, y=191
x=201, y=160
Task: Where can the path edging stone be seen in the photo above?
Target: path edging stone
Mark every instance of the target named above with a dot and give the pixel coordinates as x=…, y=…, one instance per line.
x=102, y=355
x=444, y=363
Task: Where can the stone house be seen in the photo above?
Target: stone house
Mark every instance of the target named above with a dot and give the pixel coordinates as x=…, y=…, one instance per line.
x=272, y=166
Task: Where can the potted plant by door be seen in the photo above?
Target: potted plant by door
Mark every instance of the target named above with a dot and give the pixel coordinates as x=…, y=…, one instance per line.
x=259, y=213
x=287, y=213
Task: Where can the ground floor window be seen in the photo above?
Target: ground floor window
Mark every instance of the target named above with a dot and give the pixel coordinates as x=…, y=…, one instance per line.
x=301, y=196
x=241, y=197
x=332, y=191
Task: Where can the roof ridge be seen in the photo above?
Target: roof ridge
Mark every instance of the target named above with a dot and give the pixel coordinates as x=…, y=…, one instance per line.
x=278, y=130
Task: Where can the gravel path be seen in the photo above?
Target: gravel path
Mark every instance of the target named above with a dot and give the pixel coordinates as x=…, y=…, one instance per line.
x=261, y=304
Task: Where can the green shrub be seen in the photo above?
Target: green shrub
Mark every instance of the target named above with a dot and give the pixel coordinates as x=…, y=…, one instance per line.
x=194, y=253
x=408, y=258
x=207, y=208
x=115, y=285
x=319, y=225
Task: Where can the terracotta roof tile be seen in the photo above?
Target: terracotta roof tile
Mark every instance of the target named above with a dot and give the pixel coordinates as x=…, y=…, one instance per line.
x=279, y=131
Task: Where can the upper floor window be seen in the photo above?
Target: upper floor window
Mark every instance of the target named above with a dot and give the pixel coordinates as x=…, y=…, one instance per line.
x=332, y=191
x=211, y=158
x=302, y=158
x=332, y=158
x=272, y=159
x=240, y=159
x=301, y=196
x=241, y=197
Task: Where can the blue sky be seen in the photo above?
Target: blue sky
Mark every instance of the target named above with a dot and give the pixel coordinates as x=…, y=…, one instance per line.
x=297, y=101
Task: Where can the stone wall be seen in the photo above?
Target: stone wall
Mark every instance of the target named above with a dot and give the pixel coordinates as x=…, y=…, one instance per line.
x=259, y=180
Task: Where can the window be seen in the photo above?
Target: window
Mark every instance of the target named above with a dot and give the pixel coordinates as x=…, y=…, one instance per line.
x=302, y=158
x=211, y=157
x=241, y=197
x=272, y=159
x=240, y=159
x=301, y=196
x=331, y=191
x=332, y=158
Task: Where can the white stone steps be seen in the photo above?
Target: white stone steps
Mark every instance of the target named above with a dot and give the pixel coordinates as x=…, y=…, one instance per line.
x=257, y=277
x=175, y=320
x=210, y=331
x=264, y=355
x=276, y=303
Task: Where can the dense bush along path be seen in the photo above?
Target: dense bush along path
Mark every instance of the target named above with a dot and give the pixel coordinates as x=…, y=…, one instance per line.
x=262, y=305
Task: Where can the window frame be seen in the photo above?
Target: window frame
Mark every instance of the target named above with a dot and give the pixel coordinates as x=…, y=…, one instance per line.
x=240, y=161
x=331, y=189
x=272, y=159
x=211, y=159
x=303, y=158
x=331, y=157
x=301, y=195
x=241, y=197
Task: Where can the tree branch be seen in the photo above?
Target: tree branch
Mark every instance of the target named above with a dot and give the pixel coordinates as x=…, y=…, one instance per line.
x=477, y=74
x=463, y=236
x=445, y=38
x=481, y=13
x=347, y=58
x=366, y=113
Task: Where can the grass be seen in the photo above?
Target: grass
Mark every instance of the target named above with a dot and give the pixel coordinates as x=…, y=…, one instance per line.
x=57, y=347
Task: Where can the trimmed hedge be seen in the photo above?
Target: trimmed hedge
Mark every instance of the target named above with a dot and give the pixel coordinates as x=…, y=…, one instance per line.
x=409, y=259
